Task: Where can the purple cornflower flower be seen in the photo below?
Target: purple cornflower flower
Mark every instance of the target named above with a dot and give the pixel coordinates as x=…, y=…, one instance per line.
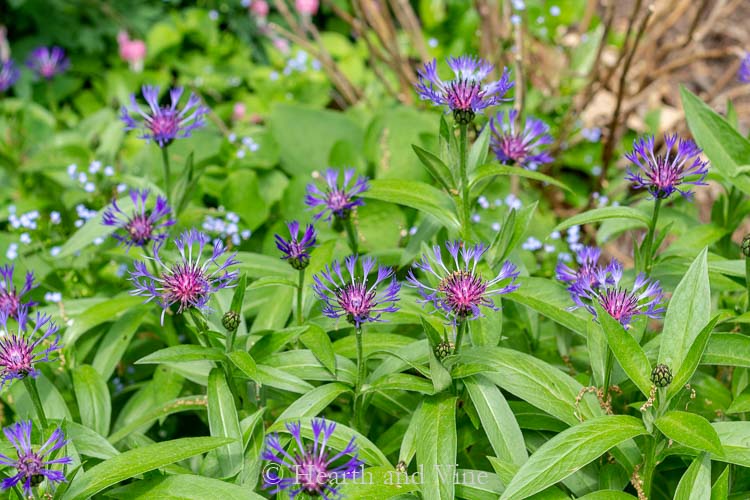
x=11, y=299
x=744, y=73
x=519, y=147
x=356, y=299
x=662, y=175
x=164, y=124
x=19, y=351
x=8, y=74
x=466, y=94
x=314, y=471
x=33, y=466
x=589, y=270
x=297, y=251
x=141, y=226
x=187, y=282
x=337, y=200
x=460, y=290
x=621, y=303
x=47, y=62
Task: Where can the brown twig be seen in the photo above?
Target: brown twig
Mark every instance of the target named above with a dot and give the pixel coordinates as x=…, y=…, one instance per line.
x=609, y=145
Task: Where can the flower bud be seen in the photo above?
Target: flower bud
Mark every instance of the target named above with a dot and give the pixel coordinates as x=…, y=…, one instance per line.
x=231, y=320
x=443, y=350
x=746, y=245
x=463, y=116
x=661, y=376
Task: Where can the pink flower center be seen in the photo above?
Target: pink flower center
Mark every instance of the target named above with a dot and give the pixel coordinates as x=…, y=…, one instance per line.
x=356, y=300
x=337, y=201
x=186, y=284
x=9, y=302
x=664, y=176
x=15, y=355
x=464, y=292
x=463, y=94
x=140, y=229
x=312, y=473
x=165, y=124
x=513, y=148
x=620, y=304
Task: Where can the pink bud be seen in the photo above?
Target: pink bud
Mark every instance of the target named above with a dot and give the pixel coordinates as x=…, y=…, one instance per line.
x=281, y=44
x=256, y=119
x=307, y=7
x=131, y=51
x=238, y=112
x=259, y=8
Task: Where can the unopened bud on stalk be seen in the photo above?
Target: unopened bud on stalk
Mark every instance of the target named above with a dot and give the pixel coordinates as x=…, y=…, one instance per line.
x=661, y=376
x=231, y=320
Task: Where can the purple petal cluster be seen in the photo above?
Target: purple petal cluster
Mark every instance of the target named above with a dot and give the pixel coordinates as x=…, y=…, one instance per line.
x=743, y=75
x=458, y=290
x=466, y=93
x=623, y=304
x=164, y=124
x=664, y=174
x=47, y=62
x=8, y=74
x=23, y=345
x=297, y=251
x=188, y=282
x=141, y=226
x=11, y=298
x=315, y=471
x=357, y=299
x=336, y=200
x=513, y=146
x=33, y=467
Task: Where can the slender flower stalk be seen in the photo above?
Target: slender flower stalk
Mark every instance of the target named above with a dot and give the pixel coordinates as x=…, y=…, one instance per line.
x=11, y=298
x=141, y=226
x=189, y=282
x=296, y=251
x=359, y=300
x=33, y=467
x=522, y=147
x=316, y=470
x=164, y=124
x=8, y=74
x=457, y=289
x=466, y=94
x=463, y=158
x=623, y=304
x=24, y=345
x=167, y=170
x=46, y=62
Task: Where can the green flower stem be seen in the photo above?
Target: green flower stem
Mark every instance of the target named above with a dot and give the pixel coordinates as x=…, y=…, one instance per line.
x=51, y=99
x=461, y=328
x=351, y=234
x=648, y=243
x=463, y=143
x=361, y=375
x=649, y=464
x=609, y=364
x=747, y=281
x=34, y=395
x=300, y=289
x=167, y=174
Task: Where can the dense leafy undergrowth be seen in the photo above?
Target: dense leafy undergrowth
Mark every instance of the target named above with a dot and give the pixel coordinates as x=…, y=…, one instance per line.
x=368, y=304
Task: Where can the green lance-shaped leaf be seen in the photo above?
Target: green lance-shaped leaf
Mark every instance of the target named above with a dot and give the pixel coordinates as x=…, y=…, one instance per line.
x=570, y=450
